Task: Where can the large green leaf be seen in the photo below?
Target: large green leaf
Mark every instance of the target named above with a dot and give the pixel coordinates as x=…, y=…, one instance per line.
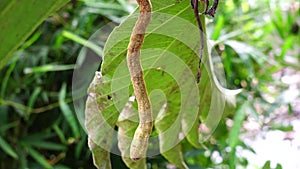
x=19, y=18
x=169, y=58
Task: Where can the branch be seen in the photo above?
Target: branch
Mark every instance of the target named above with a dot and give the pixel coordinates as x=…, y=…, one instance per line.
x=194, y=4
x=139, y=143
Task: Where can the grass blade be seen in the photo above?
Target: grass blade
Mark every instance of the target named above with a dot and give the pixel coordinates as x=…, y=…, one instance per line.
x=7, y=148
x=48, y=68
x=235, y=131
x=67, y=112
x=38, y=157
x=82, y=41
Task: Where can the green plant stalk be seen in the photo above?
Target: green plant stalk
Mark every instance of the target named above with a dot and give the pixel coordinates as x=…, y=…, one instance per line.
x=82, y=41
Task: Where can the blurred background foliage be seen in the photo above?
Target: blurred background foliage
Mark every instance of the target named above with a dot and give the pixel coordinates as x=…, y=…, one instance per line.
x=258, y=42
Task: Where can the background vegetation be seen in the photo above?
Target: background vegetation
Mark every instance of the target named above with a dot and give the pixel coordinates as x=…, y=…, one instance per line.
x=39, y=128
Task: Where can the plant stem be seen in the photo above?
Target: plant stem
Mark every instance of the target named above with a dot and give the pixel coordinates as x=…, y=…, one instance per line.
x=139, y=143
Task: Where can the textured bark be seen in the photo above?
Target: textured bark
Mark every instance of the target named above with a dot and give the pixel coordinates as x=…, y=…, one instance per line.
x=139, y=143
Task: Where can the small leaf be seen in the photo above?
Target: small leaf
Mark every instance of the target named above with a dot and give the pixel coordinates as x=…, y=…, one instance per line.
x=267, y=165
x=278, y=166
x=38, y=157
x=127, y=124
x=101, y=157
x=6, y=126
x=67, y=112
x=175, y=157
x=7, y=148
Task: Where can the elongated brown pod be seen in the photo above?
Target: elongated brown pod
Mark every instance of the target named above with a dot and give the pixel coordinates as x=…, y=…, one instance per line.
x=139, y=143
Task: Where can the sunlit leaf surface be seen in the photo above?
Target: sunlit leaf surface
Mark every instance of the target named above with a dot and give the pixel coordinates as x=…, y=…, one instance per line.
x=169, y=58
x=19, y=18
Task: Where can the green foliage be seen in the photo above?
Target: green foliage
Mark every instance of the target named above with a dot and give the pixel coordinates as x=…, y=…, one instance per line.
x=37, y=124
x=255, y=41
x=27, y=15
x=7, y=148
x=235, y=131
x=173, y=52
